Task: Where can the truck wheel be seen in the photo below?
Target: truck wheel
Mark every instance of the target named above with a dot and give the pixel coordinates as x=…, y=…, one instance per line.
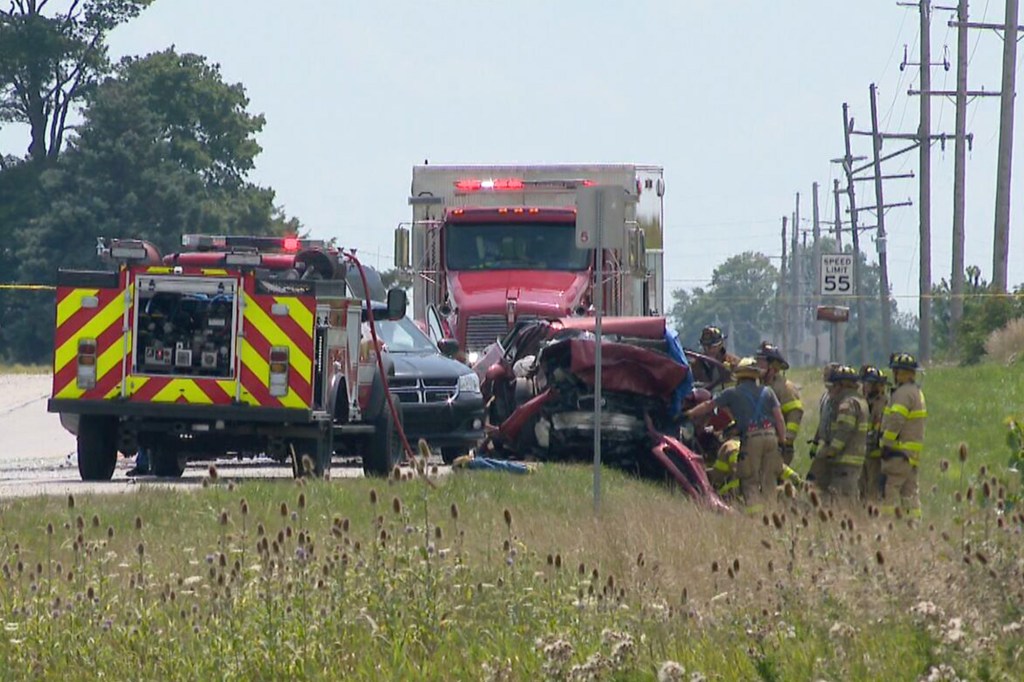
x=450, y=453
x=97, y=447
x=384, y=448
x=311, y=456
x=167, y=463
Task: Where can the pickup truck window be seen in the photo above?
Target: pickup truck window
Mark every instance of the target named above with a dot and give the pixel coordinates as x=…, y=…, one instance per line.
x=518, y=246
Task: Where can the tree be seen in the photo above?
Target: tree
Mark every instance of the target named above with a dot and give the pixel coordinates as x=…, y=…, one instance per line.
x=740, y=299
x=164, y=150
x=49, y=63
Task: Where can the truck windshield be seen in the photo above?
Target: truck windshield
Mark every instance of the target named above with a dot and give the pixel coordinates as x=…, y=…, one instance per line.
x=507, y=246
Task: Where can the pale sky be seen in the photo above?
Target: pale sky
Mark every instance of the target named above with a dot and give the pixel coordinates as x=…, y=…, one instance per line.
x=741, y=102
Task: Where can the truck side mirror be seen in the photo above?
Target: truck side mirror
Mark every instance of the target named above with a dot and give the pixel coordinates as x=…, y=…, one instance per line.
x=402, y=248
x=397, y=303
x=448, y=347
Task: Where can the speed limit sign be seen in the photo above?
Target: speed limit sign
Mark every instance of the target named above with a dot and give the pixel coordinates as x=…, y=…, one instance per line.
x=836, y=274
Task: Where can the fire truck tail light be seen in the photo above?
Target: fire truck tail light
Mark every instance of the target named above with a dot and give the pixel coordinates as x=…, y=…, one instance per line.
x=278, y=379
x=499, y=184
x=86, y=375
x=291, y=243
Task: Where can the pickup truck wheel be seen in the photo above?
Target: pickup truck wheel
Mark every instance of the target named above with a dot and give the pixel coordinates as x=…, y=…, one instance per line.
x=97, y=447
x=383, y=448
x=167, y=463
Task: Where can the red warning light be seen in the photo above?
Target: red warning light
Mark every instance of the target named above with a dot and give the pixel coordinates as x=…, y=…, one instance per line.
x=291, y=243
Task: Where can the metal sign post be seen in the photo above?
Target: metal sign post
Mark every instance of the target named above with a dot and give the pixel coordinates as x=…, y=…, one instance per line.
x=600, y=223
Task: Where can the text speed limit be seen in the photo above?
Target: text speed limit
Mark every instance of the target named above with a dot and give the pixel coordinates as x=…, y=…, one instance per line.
x=836, y=274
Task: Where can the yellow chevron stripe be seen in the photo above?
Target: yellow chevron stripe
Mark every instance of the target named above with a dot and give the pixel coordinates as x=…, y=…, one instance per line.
x=257, y=317
x=297, y=311
x=177, y=388
x=110, y=314
x=214, y=271
x=261, y=368
x=109, y=360
x=72, y=303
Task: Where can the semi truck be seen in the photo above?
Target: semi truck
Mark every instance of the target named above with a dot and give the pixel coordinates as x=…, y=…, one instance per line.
x=490, y=245
x=237, y=346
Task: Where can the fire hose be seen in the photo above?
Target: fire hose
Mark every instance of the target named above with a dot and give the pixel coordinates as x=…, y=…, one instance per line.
x=410, y=455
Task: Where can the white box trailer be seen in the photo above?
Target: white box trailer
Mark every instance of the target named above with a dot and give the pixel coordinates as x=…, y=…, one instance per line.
x=514, y=209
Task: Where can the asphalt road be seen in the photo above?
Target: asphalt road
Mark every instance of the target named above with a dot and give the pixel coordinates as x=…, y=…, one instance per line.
x=37, y=456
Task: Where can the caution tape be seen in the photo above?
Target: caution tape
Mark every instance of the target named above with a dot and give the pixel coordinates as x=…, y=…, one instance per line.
x=28, y=287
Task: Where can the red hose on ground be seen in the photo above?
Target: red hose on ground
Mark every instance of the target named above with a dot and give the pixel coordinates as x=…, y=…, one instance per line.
x=410, y=455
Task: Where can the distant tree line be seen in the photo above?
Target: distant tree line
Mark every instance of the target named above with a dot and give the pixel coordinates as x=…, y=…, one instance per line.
x=161, y=146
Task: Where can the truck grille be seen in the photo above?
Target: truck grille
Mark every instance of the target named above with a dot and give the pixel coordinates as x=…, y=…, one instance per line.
x=419, y=391
x=483, y=330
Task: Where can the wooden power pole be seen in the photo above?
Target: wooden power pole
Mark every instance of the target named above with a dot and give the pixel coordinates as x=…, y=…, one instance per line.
x=1001, y=239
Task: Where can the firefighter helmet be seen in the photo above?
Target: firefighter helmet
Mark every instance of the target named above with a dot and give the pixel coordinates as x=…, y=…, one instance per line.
x=843, y=373
x=746, y=368
x=903, y=361
x=870, y=374
x=771, y=353
x=711, y=336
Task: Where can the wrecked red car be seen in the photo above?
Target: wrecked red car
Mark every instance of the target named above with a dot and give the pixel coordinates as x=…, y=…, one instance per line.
x=538, y=382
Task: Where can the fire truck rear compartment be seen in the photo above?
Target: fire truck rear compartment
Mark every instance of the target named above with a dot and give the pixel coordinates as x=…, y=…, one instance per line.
x=185, y=326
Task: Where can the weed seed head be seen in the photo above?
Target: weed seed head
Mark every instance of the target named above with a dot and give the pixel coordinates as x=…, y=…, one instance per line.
x=138, y=523
x=373, y=496
x=396, y=505
x=71, y=501
x=963, y=452
x=944, y=465
x=284, y=509
x=302, y=500
x=212, y=471
x=141, y=549
x=508, y=518
x=454, y=510
x=49, y=529
x=224, y=517
x=244, y=507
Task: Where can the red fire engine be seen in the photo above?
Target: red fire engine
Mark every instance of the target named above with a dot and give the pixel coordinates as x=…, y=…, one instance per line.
x=235, y=346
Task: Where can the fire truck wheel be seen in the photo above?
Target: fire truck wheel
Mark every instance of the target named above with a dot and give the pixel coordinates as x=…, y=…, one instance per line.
x=384, y=448
x=168, y=463
x=309, y=458
x=97, y=447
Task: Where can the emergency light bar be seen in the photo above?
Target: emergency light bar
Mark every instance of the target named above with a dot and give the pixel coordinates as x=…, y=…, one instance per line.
x=518, y=184
x=122, y=249
x=207, y=242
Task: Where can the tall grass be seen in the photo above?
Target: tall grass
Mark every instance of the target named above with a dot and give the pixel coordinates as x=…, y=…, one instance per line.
x=496, y=577
x=490, y=576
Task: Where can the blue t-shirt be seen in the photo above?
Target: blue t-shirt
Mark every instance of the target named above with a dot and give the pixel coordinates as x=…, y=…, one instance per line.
x=741, y=401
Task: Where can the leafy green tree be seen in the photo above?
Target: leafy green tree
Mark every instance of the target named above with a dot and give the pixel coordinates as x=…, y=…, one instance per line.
x=165, y=149
x=740, y=298
x=50, y=61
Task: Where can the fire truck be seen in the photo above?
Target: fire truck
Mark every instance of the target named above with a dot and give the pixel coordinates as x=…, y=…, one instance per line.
x=490, y=245
x=237, y=346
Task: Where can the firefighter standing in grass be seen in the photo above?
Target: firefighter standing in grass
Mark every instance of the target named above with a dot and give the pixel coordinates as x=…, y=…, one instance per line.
x=772, y=365
x=903, y=437
x=818, y=472
x=843, y=451
x=873, y=384
x=762, y=432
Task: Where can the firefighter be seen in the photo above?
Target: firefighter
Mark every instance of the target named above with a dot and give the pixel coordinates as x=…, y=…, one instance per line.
x=761, y=428
x=873, y=384
x=772, y=365
x=902, y=438
x=712, y=343
x=843, y=450
x=818, y=473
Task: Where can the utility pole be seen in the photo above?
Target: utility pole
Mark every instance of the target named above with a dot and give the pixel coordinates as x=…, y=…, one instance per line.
x=796, y=266
x=956, y=280
x=816, y=264
x=862, y=339
x=1001, y=239
x=839, y=217
x=780, y=309
x=880, y=238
